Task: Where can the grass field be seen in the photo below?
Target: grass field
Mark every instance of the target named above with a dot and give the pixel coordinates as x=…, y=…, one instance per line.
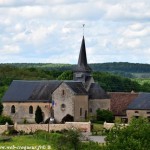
x=27, y=141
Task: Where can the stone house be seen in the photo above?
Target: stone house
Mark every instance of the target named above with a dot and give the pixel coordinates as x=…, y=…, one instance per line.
x=119, y=103
x=140, y=106
x=57, y=99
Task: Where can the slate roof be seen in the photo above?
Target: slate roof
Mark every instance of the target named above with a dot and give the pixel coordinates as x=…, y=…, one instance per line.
x=96, y=92
x=22, y=90
x=142, y=102
x=120, y=101
x=82, y=61
x=76, y=87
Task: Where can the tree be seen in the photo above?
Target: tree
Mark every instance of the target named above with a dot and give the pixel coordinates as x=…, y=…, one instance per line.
x=1, y=108
x=104, y=115
x=38, y=115
x=136, y=136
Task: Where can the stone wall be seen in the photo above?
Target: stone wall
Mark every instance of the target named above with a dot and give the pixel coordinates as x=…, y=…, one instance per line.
x=3, y=128
x=22, y=111
x=111, y=125
x=82, y=126
x=95, y=104
x=137, y=113
x=80, y=102
x=63, y=95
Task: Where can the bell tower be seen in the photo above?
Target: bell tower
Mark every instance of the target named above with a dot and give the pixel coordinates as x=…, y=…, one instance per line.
x=82, y=72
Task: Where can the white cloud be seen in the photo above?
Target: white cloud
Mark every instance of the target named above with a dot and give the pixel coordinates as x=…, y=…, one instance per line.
x=10, y=49
x=51, y=31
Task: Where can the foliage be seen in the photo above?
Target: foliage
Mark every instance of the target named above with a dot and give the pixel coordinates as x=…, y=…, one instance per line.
x=38, y=115
x=104, y=115
x=66, y=75
x=68, y=140
x=109, y=81
x=133, y=137
x=4, y=119
x=91, y=146
x=1, y=108
x=10, y=132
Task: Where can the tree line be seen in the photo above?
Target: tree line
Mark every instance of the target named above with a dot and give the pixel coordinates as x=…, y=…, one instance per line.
x=110, y=82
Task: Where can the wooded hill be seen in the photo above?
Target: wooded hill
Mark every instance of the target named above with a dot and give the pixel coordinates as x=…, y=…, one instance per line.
x=125, y=69
x=110, y=82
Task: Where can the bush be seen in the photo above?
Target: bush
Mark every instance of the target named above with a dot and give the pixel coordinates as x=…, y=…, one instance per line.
x=68, y=118
x=10, y=132
x=136, y=136
x=4, y=119
x=38, y=115
x=68, y=140
x=104, y=115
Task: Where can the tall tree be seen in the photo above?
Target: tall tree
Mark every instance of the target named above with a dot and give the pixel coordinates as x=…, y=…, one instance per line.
x=38, y=115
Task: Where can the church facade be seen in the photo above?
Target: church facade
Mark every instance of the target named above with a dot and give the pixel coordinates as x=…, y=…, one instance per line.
x=78, y=98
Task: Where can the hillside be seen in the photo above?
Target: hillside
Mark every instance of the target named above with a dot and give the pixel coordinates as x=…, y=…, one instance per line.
x=125, y=69
x=110, y=82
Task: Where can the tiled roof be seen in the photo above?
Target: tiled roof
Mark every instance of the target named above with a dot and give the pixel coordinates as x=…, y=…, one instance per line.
x=96, y=92
x=142, y=102
x=120, y=101
x=22, y=90
x=76, y=87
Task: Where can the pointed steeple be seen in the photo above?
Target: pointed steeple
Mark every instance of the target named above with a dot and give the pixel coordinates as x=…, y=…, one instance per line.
x=82, y=61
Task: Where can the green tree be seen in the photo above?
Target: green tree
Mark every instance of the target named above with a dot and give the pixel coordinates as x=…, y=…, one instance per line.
x=1, y=108
x=136, y=136
x=67, y=75
x=38, y=115
x=104, y=115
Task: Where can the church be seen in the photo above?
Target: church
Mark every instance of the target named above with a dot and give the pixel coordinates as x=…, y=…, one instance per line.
x=78, y=97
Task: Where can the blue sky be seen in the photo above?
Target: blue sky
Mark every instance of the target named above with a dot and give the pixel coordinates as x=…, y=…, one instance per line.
x=50, y=31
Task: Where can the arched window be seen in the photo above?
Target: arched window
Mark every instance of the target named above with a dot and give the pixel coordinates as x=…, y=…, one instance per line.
x=30, y=110
x=13, y=109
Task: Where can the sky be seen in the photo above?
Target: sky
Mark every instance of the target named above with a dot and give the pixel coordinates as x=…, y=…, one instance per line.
x=50, y=31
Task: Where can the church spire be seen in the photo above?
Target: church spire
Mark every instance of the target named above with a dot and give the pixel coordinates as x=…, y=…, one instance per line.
x=82, y=61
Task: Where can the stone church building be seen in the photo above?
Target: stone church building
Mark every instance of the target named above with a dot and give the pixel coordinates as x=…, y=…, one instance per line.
x=79, y=97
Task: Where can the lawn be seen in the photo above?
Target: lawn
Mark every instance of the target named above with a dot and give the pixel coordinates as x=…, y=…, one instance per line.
x=27, y=141
x=97, y=129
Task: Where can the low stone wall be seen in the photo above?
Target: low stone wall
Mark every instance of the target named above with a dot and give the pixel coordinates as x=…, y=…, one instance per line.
x=111, y=125
x=82, y=126
x=3, y=128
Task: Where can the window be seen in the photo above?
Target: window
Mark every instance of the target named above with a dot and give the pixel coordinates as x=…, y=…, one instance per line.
x=63, y=92
x=13, y=109
x=136, y=112
x=30, y=110
x=148, y=112
x=63, y=107
x=85, y=114
x=80, y=111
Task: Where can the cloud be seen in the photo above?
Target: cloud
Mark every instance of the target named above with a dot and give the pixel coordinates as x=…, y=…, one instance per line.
x=10, y=49
x=51, y=31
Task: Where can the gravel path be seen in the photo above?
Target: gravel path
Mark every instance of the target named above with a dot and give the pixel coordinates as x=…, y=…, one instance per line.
x=99, y=139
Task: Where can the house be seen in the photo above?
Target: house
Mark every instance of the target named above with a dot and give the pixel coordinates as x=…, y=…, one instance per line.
x=57, y=99
x=119, y=103
x=140, y=106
